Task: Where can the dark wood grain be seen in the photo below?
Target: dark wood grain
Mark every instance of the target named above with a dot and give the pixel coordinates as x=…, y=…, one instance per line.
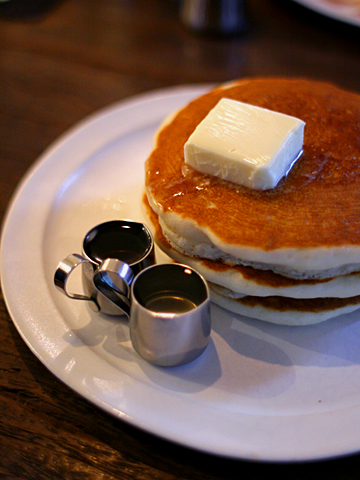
x=56, y=68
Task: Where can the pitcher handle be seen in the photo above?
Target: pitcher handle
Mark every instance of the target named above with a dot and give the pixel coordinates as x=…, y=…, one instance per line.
x=113, y=279
x=63, y=272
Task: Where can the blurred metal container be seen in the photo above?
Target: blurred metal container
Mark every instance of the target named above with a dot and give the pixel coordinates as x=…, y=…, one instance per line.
x=219, y=17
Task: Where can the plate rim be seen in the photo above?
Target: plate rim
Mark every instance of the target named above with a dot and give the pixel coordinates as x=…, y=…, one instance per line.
x=340, y=13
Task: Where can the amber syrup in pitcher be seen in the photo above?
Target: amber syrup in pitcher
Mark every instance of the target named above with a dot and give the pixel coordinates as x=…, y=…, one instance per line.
x=169, y=302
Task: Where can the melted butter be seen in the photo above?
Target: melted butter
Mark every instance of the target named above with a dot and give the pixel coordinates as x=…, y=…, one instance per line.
x=245, y=144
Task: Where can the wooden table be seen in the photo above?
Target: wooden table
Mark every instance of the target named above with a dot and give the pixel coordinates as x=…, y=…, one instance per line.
x=55, y=69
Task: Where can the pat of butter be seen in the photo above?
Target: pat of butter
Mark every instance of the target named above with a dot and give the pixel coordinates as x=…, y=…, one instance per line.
x=245, y=144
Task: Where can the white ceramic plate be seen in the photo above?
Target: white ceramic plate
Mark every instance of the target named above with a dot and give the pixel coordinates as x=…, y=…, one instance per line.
x=347, y=11
x=258, y=392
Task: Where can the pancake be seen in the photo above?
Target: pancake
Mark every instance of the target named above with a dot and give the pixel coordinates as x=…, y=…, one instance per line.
x=247, y=280
x=290, y=255
x=266, y=295
x=306, y=227
x=282, y=310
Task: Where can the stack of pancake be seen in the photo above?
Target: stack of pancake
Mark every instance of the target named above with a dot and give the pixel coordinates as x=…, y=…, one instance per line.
x=289, y=255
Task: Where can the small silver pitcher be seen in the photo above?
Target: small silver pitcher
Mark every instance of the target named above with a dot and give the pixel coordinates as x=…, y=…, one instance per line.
x=130, y=242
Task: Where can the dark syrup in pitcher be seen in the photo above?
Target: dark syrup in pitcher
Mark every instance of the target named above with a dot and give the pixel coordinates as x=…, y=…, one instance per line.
x=114, y=240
